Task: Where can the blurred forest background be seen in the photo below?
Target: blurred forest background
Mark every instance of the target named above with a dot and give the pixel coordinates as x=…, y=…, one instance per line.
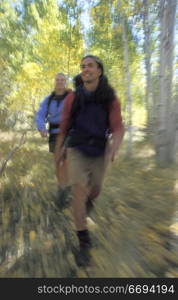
x=137, y=214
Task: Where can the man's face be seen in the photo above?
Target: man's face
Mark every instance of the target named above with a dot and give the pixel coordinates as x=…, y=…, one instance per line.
x=60, y=82
x=90, y=72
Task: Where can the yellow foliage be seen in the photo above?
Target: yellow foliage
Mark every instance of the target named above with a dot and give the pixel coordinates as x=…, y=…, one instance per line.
x=57, y=47
x=30, y=70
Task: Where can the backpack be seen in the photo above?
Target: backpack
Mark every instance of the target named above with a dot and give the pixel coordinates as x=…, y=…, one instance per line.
x=89, y=128
x=51, y=96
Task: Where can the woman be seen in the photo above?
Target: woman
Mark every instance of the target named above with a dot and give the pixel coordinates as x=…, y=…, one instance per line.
x=50, y=113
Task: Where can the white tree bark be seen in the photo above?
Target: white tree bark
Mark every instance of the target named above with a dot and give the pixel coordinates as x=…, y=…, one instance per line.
x=147, y=52
x=128, y=84
x=166, y=127
x=176, y=126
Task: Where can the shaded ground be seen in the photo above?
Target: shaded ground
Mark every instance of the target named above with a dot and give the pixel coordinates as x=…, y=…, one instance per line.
x=134, y=237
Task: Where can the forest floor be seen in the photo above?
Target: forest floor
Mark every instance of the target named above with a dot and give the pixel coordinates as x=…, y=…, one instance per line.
x=136, y=232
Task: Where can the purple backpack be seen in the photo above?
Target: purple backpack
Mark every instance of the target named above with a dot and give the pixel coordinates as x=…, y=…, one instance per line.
x=90, y=126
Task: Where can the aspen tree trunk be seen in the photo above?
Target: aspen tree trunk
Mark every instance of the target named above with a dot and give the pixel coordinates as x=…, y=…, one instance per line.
x=69, y=50
x=166, y=129
x=147, y=52
x=128, y=84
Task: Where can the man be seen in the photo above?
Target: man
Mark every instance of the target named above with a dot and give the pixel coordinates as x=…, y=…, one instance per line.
x=50, y=113
x=90, y=116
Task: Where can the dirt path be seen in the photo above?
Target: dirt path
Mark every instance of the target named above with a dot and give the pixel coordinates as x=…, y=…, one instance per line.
x=133, y=216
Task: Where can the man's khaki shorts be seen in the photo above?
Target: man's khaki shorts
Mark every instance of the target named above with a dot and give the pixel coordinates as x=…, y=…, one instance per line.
x=84, y=169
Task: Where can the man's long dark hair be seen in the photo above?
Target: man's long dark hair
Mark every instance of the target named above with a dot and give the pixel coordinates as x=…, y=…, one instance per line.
x=104, y=93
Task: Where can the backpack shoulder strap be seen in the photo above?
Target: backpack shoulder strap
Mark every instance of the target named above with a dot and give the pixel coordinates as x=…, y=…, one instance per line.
x=51, y=96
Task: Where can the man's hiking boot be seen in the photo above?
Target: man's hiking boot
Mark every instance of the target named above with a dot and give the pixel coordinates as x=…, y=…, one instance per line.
x=84, y=239
x=63, y=198
x=83, y=256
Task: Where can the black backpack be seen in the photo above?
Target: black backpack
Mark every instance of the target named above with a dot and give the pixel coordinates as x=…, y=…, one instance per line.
x=51, y=96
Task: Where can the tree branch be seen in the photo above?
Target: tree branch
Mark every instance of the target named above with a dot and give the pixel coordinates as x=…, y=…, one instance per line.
x=11, y=153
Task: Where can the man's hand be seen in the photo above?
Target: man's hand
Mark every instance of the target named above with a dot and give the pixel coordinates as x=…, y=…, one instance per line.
x=112, y=148
x=44, y=134
x=61, y=156
x=110, y=153
x=113, y=145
